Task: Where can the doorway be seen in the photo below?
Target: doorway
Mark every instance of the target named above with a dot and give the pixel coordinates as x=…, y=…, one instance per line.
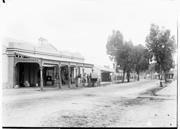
x=27, y=74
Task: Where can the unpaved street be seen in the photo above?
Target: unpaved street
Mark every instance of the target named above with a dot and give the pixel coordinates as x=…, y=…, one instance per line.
x=129, y=104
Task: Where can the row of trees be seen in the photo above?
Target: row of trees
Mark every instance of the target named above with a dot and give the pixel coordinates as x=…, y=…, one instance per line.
x=160, y=46
x=126, y=55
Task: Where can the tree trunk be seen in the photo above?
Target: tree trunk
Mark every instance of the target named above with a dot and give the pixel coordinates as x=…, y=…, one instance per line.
x=138, y=76
x=161, y=85
x=161, y=74
x=165, y=77
x=128, y=76
x=123, y=76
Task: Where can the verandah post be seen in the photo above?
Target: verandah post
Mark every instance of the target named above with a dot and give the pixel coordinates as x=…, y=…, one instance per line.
x=60, y=81
x=76, y=76
x=69, y=77
x=41, y=77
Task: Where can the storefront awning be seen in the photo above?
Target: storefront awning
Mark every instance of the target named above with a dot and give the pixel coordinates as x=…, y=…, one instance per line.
x=48, y=57
x=104, y=69
x=55, y=58
x=49, y=65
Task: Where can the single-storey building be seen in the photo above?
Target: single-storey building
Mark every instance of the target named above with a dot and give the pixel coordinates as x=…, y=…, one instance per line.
x=105, y=74
x=40, y=65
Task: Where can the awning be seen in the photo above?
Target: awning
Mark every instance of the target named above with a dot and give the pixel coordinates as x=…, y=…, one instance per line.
x=48, y=57
x=107, y=71
x=55, y=58
x=49, y=65
x=104, y=69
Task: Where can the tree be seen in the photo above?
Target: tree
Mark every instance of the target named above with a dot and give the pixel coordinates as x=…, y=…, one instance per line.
x=141, y=59
x=115, y=43
x=120, y=52
x=128, y=56
x=115, y=49
x=161, y=44
x=124, y=58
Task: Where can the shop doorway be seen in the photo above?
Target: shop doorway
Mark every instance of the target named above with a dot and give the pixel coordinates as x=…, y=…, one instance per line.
x=27, y=74
x=64, y=75
x=48, y=76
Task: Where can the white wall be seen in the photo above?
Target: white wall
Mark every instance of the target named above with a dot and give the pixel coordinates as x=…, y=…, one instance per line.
x=4, y=69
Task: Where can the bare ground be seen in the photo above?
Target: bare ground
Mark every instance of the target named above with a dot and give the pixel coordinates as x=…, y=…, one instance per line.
x=141, y=103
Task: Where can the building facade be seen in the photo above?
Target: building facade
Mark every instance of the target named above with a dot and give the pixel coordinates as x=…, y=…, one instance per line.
x=27, y=65
x=104, y=73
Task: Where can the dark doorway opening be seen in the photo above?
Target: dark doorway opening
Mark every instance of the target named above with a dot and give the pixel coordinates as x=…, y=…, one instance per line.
x=27, y=74
x=48, y=76
x=64, y=75
x=105, y=76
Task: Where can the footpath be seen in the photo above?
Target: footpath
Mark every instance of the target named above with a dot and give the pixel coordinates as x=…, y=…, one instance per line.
x=152, y=110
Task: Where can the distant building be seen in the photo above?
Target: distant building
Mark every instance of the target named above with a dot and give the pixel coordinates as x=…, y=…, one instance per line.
x=104, y=73
x=151, y=73
x=42, y=65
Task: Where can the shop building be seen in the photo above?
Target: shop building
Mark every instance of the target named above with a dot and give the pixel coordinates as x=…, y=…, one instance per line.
x=40, y=65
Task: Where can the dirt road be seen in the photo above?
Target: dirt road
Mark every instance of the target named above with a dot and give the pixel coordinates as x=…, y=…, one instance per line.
x=117, y=105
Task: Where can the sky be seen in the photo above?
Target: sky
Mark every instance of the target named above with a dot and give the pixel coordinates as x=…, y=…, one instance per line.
x=84, y=25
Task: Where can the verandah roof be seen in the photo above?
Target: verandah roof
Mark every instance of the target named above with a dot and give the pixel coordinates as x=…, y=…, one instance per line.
x=48, y=57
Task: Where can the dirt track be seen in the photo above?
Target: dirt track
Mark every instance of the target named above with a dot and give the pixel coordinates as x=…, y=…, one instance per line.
x=129, y=104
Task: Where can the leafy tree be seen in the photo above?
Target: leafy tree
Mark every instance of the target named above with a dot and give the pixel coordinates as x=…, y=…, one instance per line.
x=115, y=50
x=128, y=58
x=161, y=45
x=115, y=43
x=120, y=52
x=141, y=59
x=124, y=58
